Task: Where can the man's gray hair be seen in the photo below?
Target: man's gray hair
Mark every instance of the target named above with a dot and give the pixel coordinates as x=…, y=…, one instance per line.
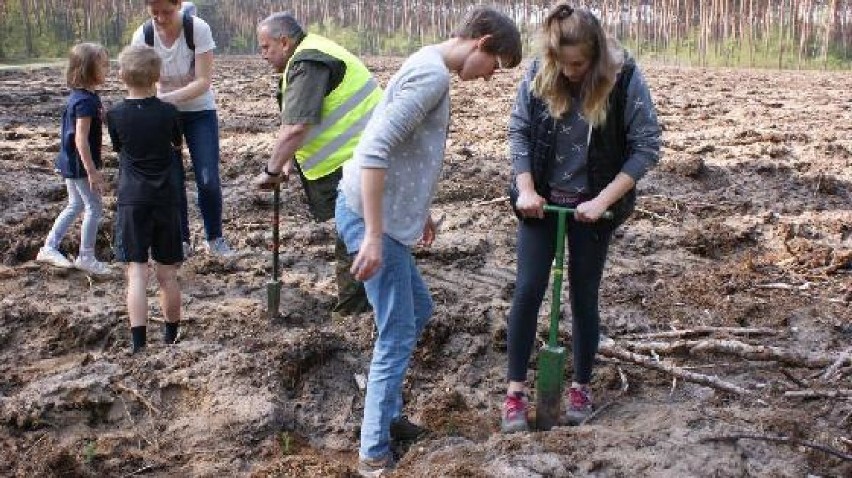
x=280, y=25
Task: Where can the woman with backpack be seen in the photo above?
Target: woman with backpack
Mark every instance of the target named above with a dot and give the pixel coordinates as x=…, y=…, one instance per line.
x=185, y=44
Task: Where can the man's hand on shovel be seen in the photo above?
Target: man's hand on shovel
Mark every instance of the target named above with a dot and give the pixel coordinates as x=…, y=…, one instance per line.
x=269, y=178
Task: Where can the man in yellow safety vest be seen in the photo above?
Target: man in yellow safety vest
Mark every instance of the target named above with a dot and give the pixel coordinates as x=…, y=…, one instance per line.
x=326, y=97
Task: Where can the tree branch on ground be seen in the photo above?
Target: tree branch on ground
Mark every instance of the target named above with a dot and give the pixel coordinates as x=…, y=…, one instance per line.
x=608, y=348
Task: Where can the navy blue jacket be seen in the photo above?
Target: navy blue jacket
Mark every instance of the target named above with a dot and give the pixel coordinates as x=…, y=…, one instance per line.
x=608, y=150
x=81, y=104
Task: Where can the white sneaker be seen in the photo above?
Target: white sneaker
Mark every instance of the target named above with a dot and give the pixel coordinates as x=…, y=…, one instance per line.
x=49, y=255
x=218, y=247
x=91, y=265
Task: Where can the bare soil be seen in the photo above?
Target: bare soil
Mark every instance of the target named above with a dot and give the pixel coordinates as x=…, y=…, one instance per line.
x=745, y=223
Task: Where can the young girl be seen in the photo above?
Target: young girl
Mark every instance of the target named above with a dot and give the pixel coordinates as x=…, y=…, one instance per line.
x=79, y=159
x=383, y=207
x=582, y=132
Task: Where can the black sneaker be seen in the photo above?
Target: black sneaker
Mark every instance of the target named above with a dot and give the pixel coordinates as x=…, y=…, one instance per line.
x=402, y=430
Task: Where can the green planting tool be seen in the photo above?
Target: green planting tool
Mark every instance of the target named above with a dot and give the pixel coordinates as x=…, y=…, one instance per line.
x=551, y=357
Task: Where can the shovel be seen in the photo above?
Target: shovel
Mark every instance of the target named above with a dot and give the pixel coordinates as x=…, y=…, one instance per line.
x=273, y=287
x=551, y=357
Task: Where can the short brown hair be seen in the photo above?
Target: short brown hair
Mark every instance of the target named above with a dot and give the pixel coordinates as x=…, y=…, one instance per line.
x=83, y=62
x=139, y=66
x=505, y=39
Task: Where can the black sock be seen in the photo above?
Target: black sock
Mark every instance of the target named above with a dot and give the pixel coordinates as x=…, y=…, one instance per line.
x=139, y=335
x=170, y=332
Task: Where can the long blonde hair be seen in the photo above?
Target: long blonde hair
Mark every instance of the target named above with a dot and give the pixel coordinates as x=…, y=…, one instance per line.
x=567, y=26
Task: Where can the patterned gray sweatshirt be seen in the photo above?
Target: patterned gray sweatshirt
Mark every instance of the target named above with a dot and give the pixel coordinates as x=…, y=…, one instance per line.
x=406, y=136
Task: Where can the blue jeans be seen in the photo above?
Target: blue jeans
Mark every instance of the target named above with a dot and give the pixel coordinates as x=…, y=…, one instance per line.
x=402, y=307
x=201, y=131
x=81, y=198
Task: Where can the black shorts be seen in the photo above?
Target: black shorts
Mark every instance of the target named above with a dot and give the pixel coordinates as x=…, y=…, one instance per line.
x=139, y=228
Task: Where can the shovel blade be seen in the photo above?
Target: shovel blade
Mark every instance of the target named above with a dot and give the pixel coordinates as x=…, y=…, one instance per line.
x=550, y=381
x=273, y=298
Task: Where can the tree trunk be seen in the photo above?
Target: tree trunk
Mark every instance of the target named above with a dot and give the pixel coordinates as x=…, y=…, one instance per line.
x=28, y=29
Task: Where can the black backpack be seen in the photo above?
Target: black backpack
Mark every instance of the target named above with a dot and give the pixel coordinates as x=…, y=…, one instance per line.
x=148, y=33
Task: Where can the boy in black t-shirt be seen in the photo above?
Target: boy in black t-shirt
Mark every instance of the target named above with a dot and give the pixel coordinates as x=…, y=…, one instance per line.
x=146, y=133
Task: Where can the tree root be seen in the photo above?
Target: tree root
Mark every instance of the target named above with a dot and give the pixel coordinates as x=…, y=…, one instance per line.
x=701, y=332
x=609, y=349
x=737, y=348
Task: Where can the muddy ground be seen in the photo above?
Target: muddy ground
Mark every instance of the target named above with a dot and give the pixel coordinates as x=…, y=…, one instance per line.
x=746, y=223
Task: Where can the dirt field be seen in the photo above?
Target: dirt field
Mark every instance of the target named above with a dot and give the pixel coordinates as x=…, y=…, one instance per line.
x=746, y=224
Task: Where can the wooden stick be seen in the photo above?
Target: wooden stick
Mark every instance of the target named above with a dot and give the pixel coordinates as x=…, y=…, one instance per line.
x=761, y=352
x=784, y=286
x=816, y=393
x=832, y=370
x=780, y=439
x=597, y=412
x=798, y=381
x=678, y=346
x=656, y=216
x=488, y=202
x=144, y=469
x=35, y=444
x=609, y=349
x=701, y=331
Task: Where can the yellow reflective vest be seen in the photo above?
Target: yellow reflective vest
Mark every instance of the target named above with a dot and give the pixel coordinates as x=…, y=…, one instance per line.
x=345, y=111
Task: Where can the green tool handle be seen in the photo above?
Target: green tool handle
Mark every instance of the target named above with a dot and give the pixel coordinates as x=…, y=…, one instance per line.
x=552, y=208
x=276, y=208
x=558, y=262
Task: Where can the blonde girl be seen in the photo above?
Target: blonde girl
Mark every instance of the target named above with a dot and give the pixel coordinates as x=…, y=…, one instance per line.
x=582, y=133
x=79, y=159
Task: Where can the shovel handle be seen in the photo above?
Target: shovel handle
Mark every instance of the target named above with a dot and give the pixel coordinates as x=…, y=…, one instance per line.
x=558, y=262
x=276, y=214
x=569, y=210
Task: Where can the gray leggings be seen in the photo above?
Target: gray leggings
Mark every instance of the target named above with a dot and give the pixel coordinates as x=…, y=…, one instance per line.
x=586, y=250
x=81, y=199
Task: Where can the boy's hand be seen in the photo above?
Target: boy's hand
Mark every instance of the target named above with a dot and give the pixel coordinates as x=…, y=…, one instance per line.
x=368, y=260
x=430, y=230
x=96, y=182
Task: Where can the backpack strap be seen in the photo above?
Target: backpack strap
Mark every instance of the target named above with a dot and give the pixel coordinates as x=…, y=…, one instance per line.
x=148, y=32
x=188, y=31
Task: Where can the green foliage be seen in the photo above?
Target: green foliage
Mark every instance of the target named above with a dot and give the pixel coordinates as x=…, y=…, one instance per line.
x=242, y=43
x=285, y=441
x=90, y=450
x=765, y=52
x=56, y=26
